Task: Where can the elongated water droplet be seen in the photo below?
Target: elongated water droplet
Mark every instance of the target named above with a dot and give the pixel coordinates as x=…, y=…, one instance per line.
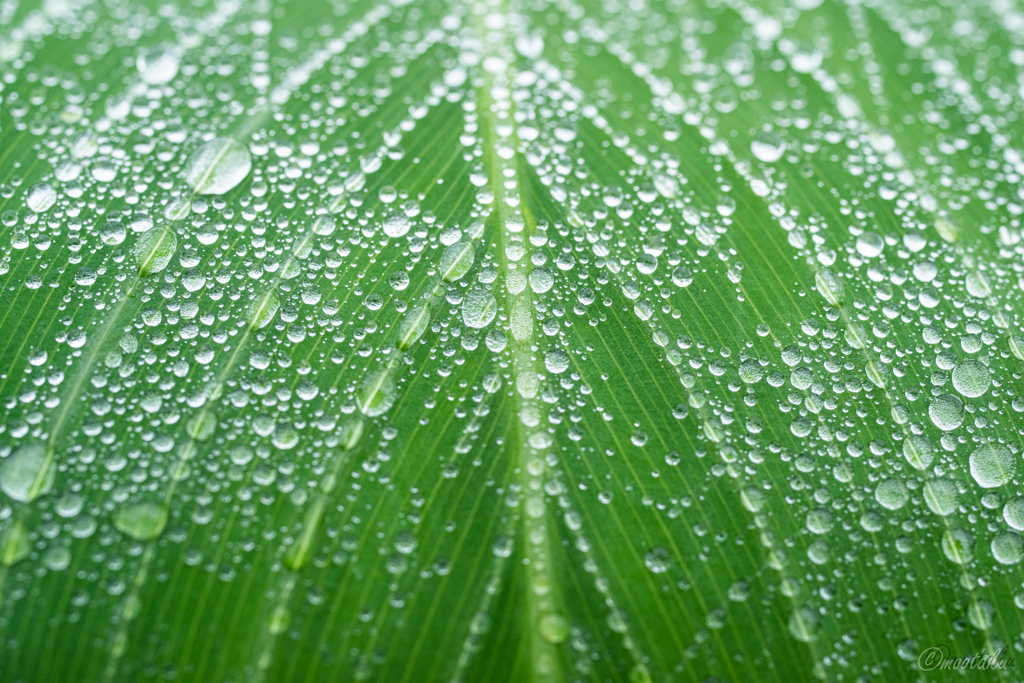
x=263, y=308
x=218, y=166
x=154, y=250
x=941, y=496
x=28, y=473
x=412, y=327
x=41, y=197
x=946, y=412
x=456, y=261
x=947, y=229
x=376, y=393
x=15, y=545
x=830, y=286
x=141, y=521
x=479, y=308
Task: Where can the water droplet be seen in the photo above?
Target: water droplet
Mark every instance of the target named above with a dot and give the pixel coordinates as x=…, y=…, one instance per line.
x=971, y=379
x=803, y=624
x=946, y=412
x=1007, y=548
x=396, y=224
x=41, y=197
x=154, y=249
x=870, y=244
x=28, y=473
x=113, y=232
x=412, y=327
x=496, y=341
x=399, y=280
x=941, y=496
x=892, y=494
x=15, y=545
x=158, y=65
x=1013, y=513
x=958, y=546
x=978, y=284
x=141, y=521
x=553, y=627
x=918, y=451
x=263, y=308
x=456, y=261
x=218, y=166
x=992, y=465
x=202, y=425
x=479, y=308
x=829, y=286
x=947, y=229
x=751, y=371
x=556, y=361
x=376, y=393
x=541, y=280
x=768, y=146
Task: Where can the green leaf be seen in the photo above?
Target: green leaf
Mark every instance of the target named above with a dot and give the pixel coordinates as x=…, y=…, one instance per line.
x=506, y=341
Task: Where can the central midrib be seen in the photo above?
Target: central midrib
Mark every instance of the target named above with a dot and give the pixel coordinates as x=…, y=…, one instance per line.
x=542, y=596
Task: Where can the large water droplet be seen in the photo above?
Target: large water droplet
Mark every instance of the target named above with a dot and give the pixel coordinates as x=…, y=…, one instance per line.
x=918, y=451
x=456, y=261
x=158, y=65
x=768, y=146
x=396, y=224
x=971, y=379
x=41, y=197
x=946, y=412
x=141, y=521
x=941, y=496
x=376, y=393
x=556, y=361
x=553, y=627
x=803, y=624
x=28, y=473
x=263, y=308
x=830, y=286
x=412, y=327
x=218, y=166
x=1007, y=548
x=479, y=308
x=154, y=250
x=15, y=544
x=1013, y=513
x=992, y=465
x=892, y=494
x=657, y=560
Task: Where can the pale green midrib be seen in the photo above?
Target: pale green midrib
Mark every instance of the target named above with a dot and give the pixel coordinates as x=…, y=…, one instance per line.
x=522, y=362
